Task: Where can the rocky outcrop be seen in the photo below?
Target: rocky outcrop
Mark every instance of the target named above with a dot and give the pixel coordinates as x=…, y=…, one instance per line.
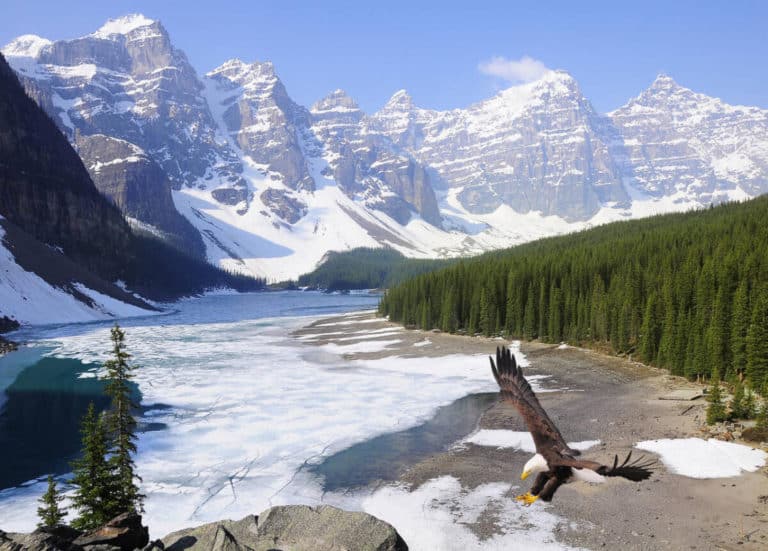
x=264, y=122
x=284, y=205
x=291, y=528
x=371, y=167
x=123, y=533
x=139, y=187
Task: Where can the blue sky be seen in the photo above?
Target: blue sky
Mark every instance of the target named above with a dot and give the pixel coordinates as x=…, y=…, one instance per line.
x=436, y=50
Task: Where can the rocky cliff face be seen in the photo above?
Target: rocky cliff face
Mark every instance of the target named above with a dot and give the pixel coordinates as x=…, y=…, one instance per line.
x=371, y=167
x=127, y=81
x=45, y=190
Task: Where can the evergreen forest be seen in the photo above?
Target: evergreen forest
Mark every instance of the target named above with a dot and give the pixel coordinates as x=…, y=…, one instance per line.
x=687, y=292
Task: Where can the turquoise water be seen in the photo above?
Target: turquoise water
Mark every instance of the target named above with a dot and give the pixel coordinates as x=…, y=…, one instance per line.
x=40, y=416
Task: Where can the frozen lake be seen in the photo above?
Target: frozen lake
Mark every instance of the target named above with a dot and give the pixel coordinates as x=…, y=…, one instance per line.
x=243, y=415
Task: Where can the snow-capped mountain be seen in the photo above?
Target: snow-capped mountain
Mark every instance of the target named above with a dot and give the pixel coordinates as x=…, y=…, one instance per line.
x=229, y=166
x=536, y=147
x=679, y=142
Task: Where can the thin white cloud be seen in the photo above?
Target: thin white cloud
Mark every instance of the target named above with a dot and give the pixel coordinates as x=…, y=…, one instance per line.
x=515, y=71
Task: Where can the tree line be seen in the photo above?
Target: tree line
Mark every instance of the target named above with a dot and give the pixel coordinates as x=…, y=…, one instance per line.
x=368, y=268
x=687, y=292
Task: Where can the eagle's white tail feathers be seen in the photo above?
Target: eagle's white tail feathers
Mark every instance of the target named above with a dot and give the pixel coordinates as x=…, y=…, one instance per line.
x=587, y=475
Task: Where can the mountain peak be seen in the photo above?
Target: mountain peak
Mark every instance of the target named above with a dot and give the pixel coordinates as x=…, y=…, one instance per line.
x=123, y=25
x=664, y=82
x=400, y=101
x=338, y=100
x=239, y=71
x=27, y=45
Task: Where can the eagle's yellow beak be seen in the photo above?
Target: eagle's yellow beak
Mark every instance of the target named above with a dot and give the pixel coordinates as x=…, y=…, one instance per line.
x=525, y=475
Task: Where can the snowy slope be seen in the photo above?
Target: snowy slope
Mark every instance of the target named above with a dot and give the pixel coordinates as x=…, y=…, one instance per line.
x=29, y=299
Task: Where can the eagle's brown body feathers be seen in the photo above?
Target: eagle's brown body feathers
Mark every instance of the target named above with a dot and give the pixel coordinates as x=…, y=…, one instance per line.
x=562, y=461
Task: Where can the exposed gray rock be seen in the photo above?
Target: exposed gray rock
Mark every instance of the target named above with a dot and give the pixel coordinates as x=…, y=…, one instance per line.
x=284, y=205
x=676, y=141
x=124, y=532
x=371, y=167
x=139, y=187
x=263, y=120
x=291, y=528
x=57, y=538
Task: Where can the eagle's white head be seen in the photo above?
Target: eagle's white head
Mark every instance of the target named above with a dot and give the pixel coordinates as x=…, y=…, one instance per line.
x=536, y=464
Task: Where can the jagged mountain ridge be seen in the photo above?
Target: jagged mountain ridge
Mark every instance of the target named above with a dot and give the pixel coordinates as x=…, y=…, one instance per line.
x=271, y=186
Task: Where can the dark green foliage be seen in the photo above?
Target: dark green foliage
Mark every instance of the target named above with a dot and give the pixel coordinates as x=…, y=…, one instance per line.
x=366, y=268
x=687, y=292
x=92, y=476
x=749, y=406
x=122, y=426
x=716, y=408
x=49, y=512
x=757, y=342
x=762, y=417
x=737, y=402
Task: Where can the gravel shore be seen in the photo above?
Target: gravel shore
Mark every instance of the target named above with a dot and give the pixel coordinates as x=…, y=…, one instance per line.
x=611, y=399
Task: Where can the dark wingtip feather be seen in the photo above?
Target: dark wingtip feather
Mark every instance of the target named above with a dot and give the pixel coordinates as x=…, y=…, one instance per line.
x=636, y=471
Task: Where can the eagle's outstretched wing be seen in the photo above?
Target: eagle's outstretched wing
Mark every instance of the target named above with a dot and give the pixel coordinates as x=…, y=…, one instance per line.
x=637, y=470
x=549, y=442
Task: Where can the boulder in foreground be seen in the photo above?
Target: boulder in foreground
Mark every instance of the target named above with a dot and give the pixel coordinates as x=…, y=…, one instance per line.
x=291, y=528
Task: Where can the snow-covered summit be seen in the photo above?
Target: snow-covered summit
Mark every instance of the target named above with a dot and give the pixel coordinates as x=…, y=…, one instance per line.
x=27, y=45
x=123, y=25
x=337, y=101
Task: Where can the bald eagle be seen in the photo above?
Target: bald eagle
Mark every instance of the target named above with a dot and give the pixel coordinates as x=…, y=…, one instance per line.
x=554, y=462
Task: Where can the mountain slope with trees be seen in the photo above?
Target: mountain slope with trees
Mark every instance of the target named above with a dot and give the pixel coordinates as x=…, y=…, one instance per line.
x=687, y=292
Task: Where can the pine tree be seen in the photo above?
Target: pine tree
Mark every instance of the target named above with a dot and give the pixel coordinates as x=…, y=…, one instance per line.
x=737, y=402
x=749, y=405
x=716, y=409
x=49, y=512
x=757, y=342
x=122, y=426
x=762, y=417
x=739, y=327
x=92, y=476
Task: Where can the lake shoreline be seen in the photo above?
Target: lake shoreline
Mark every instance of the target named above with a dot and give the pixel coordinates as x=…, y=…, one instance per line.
x=608, y=398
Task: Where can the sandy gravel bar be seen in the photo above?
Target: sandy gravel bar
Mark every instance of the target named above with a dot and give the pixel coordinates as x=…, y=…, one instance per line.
x=611, y=399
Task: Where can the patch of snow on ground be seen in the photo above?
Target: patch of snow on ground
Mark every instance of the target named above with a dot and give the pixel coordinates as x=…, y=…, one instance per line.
x=425, y=342
x=503, y=439
x=697, y=458
x=359, y=347
x=436, y=515
x=563, y=346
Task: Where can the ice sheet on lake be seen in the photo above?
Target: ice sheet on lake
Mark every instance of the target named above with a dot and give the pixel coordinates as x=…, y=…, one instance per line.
x=697, y=458
x=502, y=439
x=437, y=515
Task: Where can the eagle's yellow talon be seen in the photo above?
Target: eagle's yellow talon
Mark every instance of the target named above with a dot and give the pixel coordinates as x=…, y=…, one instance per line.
x=527, y=499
